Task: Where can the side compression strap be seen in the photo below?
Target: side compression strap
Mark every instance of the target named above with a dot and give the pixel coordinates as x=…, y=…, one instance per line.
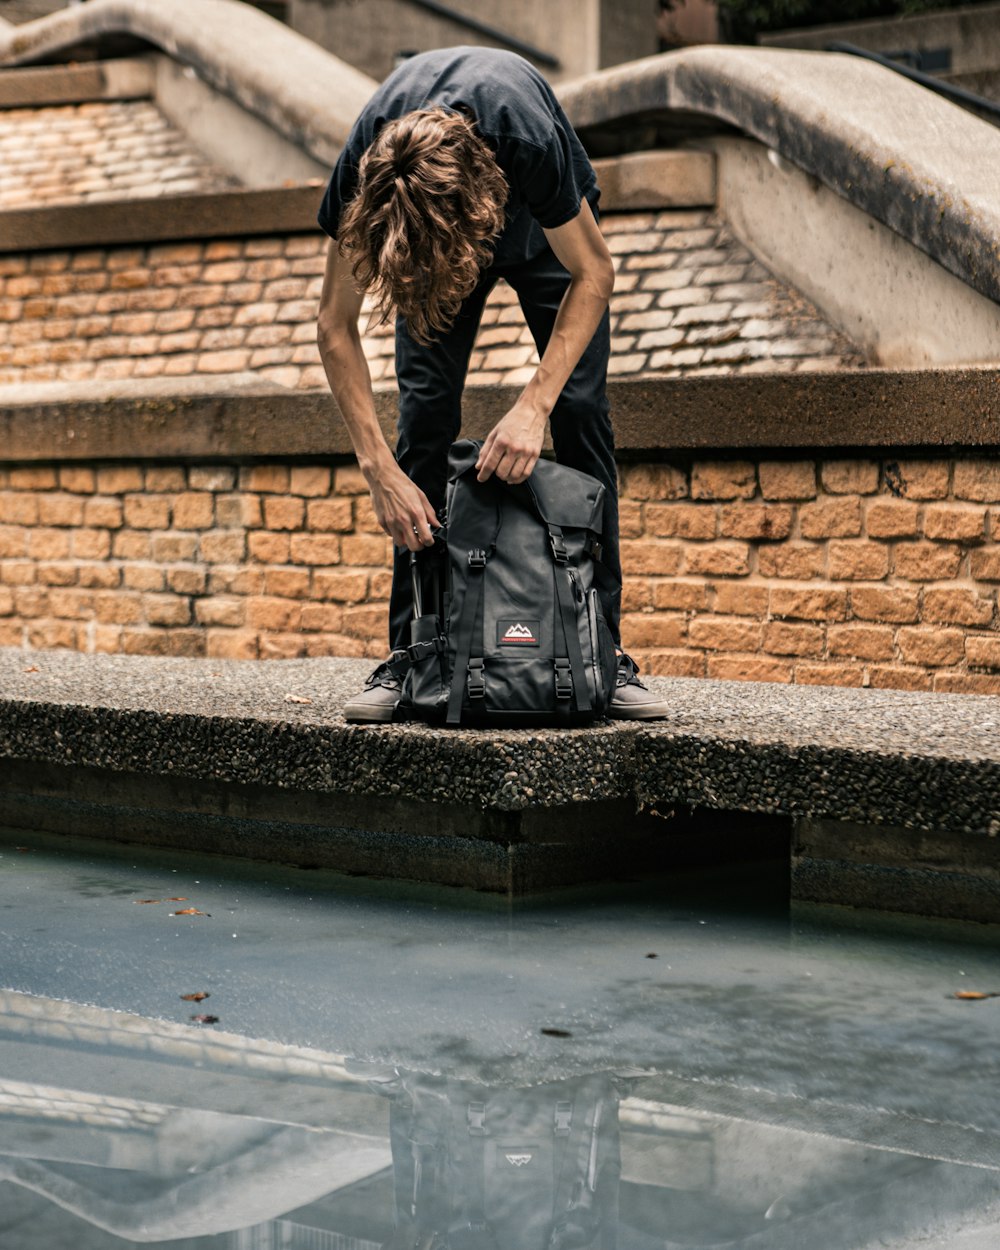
x=570, y=624
x=463, y=635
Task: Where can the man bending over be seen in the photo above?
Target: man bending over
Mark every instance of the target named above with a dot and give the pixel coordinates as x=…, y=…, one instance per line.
x=461, y=170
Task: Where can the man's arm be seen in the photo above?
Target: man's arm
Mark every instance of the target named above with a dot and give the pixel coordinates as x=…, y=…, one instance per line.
x=401, y=508
x=512, y=447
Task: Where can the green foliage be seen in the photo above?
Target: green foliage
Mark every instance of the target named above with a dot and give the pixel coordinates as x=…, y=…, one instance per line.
x=744, y=19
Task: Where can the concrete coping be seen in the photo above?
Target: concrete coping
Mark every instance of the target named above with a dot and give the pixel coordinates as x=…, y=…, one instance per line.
x=128, y=78
x=905, y=156
x=240, y=417
x=911, y=761
x=307, y=94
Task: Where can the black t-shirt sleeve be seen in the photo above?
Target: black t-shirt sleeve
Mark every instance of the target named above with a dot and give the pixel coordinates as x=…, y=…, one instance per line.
x=547, y=178
x=339, y=192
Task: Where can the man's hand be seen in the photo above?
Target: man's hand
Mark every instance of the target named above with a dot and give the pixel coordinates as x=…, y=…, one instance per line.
x=402, y=508
x=513, y=446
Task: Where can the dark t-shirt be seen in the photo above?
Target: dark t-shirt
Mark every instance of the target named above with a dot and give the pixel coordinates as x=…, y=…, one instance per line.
x=515, y=112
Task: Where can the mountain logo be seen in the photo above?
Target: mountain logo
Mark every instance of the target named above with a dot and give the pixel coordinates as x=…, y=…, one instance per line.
x=518, y=632
x=519, y=1161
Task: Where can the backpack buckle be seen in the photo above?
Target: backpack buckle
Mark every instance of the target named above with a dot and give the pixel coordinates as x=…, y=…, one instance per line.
x=418, y=651
x=564, y=680
x=559, y=553
x=476, y=1116
x=476, y=680
x=563, y=1118
x=477, y=558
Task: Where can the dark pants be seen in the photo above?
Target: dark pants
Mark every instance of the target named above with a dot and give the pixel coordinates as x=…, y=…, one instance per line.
x=431, y=379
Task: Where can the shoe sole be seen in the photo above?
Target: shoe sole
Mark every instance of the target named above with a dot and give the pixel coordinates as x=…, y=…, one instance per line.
x=369, y=716
x=653, y=712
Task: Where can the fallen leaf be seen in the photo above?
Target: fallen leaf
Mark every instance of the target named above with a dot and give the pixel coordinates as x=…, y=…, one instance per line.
x=974, y=995
x=297, y=698
x=176, y=898
x=33, y=669
x=556, y=1033
x=197, y=997
x=205, y=1019
x=147, y=900
x=190, y=911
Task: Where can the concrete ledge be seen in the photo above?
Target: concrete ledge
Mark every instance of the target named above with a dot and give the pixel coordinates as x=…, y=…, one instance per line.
x=158, y=219
x=664, y=179
x=215, y=418
x=124, y=79
x=214, y=754
x=905, y=156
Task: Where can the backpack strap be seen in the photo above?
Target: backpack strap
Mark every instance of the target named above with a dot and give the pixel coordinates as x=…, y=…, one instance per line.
x=577, y=686
x=468, y=673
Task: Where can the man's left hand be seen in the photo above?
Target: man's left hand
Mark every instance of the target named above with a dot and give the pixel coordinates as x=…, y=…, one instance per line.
x=512, y=447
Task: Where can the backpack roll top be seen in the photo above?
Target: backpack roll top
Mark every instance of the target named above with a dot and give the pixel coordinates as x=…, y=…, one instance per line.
x=508, y=624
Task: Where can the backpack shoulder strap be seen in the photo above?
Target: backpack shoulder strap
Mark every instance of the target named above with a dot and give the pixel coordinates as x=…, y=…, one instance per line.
x=577, y=686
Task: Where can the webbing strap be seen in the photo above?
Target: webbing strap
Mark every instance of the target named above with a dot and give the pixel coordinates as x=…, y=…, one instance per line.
x=463, y=635
x=569, y=618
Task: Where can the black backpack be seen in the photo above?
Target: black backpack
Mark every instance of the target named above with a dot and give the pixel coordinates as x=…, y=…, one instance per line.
x=505, y=1169
x=508, y=626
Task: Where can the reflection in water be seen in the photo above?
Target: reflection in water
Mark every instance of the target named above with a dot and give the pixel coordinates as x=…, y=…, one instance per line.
x=115, y=1128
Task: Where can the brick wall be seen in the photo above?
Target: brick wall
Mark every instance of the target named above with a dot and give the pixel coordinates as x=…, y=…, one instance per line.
x=689, y=299
x=853, y=572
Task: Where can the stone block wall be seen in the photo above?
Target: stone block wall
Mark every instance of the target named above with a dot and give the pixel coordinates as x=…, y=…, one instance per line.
x=827, y=571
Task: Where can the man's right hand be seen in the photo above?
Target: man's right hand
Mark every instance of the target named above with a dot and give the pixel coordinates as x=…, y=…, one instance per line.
x=402, y=508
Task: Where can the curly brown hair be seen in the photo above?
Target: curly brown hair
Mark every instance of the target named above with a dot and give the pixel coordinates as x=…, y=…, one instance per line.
x=418, y=232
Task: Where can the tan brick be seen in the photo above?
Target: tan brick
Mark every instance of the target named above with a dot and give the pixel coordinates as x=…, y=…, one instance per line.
x=928, y=646
x=77, y=479
x=310, y=481
x=281, y=646
x=144, y=577
x=349, y=480
x=11, y=633
x=985, y=565
x=90, y=544
x=983, y=652
x=271, y=479
x=364, y=517
x=861, y=642
x=849, y=477
x=59, y=509
x=719, y=559
x=32, y=478
x=223, y=546
x=343, y=586
x=238, y=511
x=723, y=479
x=680, y=520
x=212, y=477
x=918, y=479
x=317, y=548
x=894, y=677
x=31, y=601
x=232, y=644
x=637, y=555
x=115, y=607
x=269, y=547
x=20, y=509
x=58, y=573
x=228, y=610
x=103, y=513
x=808, y=604
x=268, y=612
x=739, y=599
x=720, y=633
x=368, y=621
x=647, y=629
x=637, y=594
x=284, y=513
x=858, y=561
x=957, y=606
x=954, y=523
x=787, y=479
x=329, y=514
x=6, y=601
x=194, y=510
x=287, y=583
x=926, y=562
x=978, y=480
x=322, y=617
x=166, y=609
x=748, y=668
x=763, y=522
x=17, y=572
x=680, y=595
x=782, y=638
x=654, y=481
x=875, y=603
x=831, y=518
x=671, y=663
x=45, y=544
x=153, y=641
x=71, y=604
x=99, y=575
x=888, y=518
x=119, y=479
x=48, y=635
x=187, y=581
x=147, y=512
x=630, y=522
x=829, y=675
x=235, y=581
x=966, y=683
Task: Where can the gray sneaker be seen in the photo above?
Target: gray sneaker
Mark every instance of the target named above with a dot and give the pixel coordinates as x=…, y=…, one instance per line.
x=632, y=700
x=376, y=704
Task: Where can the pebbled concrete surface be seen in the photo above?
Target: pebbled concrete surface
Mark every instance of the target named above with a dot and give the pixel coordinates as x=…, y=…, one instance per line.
x=882, y=757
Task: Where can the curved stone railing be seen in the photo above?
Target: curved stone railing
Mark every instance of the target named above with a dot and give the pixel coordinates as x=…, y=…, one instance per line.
x=905, y=156
x=304, y=92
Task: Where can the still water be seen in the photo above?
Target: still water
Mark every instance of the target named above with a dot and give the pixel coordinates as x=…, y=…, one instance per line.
x=199, y=1052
